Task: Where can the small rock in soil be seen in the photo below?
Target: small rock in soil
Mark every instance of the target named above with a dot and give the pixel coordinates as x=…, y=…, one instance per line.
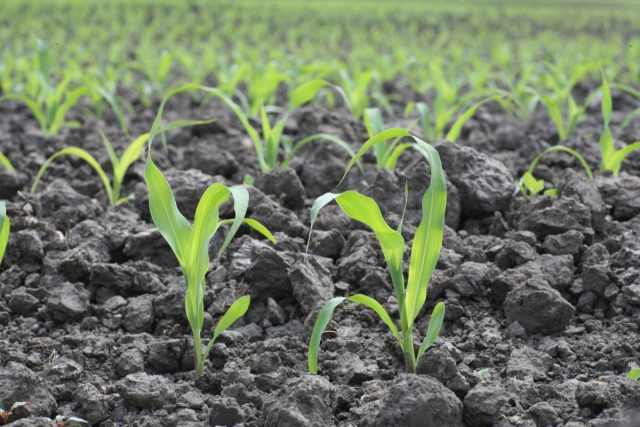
x=284, y=185
x=22, y=302
x=528, y=363
x=545, y=216
x=483, y=404
x=264, y=269
x=147, y=391
x=92, y=405
x=484, y=183
x=413, y=401
x=538, y=308
x=306, y=401
x=311, y=283
x=138, y=314
x=569, y=242
x=225, y=411
x=19, y=384
x=68, y=301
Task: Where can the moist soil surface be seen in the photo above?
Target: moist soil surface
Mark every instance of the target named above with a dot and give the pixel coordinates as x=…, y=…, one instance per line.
x=542, y=295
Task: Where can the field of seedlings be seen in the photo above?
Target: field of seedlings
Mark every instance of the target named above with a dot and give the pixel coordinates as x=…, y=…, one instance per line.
x=354, y=213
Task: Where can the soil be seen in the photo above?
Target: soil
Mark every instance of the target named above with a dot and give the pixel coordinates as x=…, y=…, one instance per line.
x=542, y=296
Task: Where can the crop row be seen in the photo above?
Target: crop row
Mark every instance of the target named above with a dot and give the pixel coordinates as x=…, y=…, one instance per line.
x=190, y=241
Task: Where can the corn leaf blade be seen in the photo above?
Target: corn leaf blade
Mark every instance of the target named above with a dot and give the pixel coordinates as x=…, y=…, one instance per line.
x=173, y=226
x=4, y=229
x=433, y=330
x=378, y=309
x=322, y=321
x=427, y=241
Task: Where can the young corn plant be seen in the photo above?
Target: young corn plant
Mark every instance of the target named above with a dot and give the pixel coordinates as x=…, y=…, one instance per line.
x=386, y=153
x=53, y=101
x=190, y=245
x=425, y=251
x=435, y=118
x=120, y=165
x=530, y=186
x=634, y=374
x=268, y=145
x=4, y=229
x=561, y=106
x=611, y=158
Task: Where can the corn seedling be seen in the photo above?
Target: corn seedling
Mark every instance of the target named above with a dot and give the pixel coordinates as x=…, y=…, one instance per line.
x=190, y=245
x=267, y=146
x=561, y=106
x=53, y=102
x=387, y=154
x=520, y=99
x=4, y=161
x=4, y=229
x=531, y=187
x=425, y=251
x=355, y=91
x=120, y=165
x=611, y=158
x=435, y=119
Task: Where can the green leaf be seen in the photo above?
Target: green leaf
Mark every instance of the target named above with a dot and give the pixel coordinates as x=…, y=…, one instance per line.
x=425, y=119
x=392, y=160
x=4, y=229
x=305, y=93
x=233, y=313
x=240, y=205
x=379, y=309
x=533, y=185
x=607, y=104
x=70, y=101
x=433, y=330
x=129, y=157
x=82, y=154
x=427, y=241
x=556, y=115
x=621, y=154
x=4, y=160
x=115, y=107
x=108, y=147
x=607, y=150
x=365, y=210
x=173, y=226
x=205, y=224
x=373, y=121
x=382, y=136
x=36, y=110
x=456, y=128
x=564, y=149
x=260, y=228
x=634, y=374
x=322, y=321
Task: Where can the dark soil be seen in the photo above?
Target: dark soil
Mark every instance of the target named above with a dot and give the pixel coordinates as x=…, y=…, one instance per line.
x=542, y=296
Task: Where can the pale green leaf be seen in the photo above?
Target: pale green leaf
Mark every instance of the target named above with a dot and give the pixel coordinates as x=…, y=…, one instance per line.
x=322, y=321
x=433, y=330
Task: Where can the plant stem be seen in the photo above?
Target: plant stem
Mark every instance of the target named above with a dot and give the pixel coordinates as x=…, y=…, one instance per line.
x=409, y=353
x=198, y=353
